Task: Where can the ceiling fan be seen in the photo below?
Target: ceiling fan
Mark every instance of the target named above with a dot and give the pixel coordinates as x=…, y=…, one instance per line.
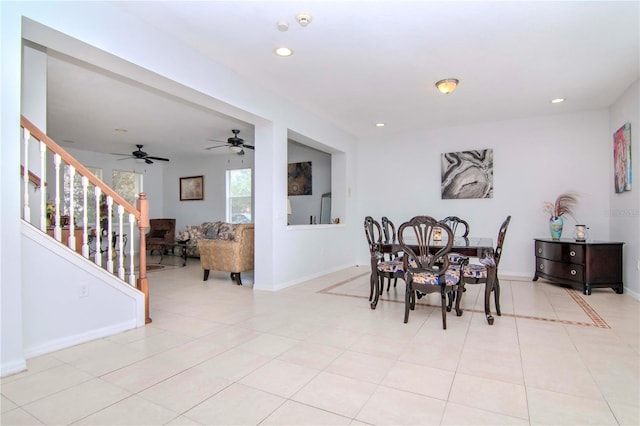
x=233, y=142
x=141, y=155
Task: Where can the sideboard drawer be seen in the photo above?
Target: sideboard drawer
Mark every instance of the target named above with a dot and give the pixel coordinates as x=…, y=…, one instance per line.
x=572, y=253
x=565, y=271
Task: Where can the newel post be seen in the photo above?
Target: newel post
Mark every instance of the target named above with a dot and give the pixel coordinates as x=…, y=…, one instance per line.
x=143, y=281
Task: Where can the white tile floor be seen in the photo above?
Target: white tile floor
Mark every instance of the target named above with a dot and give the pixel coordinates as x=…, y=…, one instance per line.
x=217, y=353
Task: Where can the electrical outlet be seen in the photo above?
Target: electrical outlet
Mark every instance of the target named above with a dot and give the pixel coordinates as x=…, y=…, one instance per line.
x=84, y=290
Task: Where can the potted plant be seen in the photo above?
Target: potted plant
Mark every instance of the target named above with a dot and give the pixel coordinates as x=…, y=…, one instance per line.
x=564, y=205
x=50, y=211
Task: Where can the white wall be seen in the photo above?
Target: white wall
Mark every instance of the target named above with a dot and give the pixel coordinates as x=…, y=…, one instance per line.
x=213, y=168
x=58, y=316
x=535, y=160
x=624, y=209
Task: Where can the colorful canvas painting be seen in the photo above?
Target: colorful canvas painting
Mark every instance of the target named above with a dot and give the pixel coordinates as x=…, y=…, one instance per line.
x=299, y=178
x=467, y=174
x=622, y=158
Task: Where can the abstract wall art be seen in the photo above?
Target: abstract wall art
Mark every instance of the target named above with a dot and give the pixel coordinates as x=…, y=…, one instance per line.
x=622, y=158
x=299, y=178
x=467, y=174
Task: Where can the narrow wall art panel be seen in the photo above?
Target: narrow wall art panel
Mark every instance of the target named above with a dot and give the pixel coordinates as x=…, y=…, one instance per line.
x=622, y=158
x=467, y=174
x=299, y=178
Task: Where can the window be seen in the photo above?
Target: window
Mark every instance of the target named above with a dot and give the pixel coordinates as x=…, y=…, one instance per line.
x=239, y=196
x=127, y=184
x=77, y=196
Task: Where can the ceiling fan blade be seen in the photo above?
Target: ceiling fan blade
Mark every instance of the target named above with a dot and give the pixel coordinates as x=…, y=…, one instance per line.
x=216, y=146
x=156, y=158
x=146, y=160
x=125, y=158
x=248, y=146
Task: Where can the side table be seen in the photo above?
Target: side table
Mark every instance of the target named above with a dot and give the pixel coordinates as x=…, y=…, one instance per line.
x=180, y=244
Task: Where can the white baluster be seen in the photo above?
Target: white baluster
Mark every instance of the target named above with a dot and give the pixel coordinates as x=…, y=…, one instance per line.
x=26, y=210
x=72, y=234
x=85, y=234
x=120, y=243
x=43, y=195
x=132, y=275
x=109, y=234
x=57, y=232
x=98, y=253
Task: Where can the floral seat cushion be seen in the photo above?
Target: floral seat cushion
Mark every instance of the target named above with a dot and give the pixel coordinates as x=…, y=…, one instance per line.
x=451, y=278
x=391, y=266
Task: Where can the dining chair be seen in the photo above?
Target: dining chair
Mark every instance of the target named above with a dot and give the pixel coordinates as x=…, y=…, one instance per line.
x=390, y=237
x=474, y=273
x=426, y=263
x=380, y=268
x=454, y=222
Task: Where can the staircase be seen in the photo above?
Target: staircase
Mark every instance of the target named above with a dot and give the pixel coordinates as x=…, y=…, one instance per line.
x=101, y=240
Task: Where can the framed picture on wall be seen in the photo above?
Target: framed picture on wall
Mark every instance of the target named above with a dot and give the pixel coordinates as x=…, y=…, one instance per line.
x=467, y=174
x=622, y=158
x=192, y=188
x=299, y=179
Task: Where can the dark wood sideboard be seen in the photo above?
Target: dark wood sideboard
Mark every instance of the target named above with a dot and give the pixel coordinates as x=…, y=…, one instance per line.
x=582, y=265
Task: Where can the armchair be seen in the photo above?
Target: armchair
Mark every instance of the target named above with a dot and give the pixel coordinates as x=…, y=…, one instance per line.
x=234, y=255
x=161, y=232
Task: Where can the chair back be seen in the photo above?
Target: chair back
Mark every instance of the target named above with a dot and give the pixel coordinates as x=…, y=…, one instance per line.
x=373, y=232
x=501, y=235
x=416, y=239
x=389, y=231
x=454, y=222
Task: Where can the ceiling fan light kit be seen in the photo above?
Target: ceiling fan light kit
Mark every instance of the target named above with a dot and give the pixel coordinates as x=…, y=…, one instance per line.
x=234, y=143
x=447, y=85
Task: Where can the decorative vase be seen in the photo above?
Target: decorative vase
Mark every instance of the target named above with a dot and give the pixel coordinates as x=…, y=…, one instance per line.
x=555, y=226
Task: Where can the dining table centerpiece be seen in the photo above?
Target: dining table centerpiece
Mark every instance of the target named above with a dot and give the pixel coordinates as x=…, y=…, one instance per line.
x=564, y=205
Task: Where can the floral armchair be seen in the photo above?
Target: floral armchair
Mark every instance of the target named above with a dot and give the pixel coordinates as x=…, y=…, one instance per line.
x=230, y=252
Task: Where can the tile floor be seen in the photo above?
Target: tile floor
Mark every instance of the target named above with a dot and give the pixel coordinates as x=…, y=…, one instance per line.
x=217, y=353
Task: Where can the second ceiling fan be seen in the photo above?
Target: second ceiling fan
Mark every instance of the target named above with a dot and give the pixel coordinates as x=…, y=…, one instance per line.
x=233, y=142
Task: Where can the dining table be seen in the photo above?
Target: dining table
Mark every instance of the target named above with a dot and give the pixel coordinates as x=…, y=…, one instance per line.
x=477, y=247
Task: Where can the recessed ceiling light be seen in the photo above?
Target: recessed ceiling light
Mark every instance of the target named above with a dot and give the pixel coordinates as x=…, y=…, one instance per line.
x=283, y=51
x=557, y=100
x=379, y=124
x=121, y=130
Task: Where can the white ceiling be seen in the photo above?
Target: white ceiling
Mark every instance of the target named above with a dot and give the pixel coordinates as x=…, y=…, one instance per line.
x=362, y=62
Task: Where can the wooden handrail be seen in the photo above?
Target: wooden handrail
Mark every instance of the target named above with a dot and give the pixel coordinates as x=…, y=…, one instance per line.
x=69, y=159
x=35, y=180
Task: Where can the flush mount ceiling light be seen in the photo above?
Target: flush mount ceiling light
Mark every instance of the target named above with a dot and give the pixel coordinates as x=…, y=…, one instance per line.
x=557, y=100
x=447, y=85
x=283, y=51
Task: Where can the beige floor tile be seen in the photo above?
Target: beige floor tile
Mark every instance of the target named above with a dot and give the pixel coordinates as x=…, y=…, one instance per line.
x=428, y=381
x=185, y=325
x=45, y=383
x=441, y=353
x=491, y=364
x=34, y=366
x=491, y=395
x=194, y=352
x=131, y=411
x=73, y=404
x=268, y=345
x=625, y=414
x=159, y=342
x=111, y=358
x=185, y=390
x=383, y=347
x=458, y=414
x=144, y=374
x=6, y=404
x=233, y=364
x=236, y=405
x=183, y=421
x=18, y=417
x=335, y=337
x=359, y=366
x=395, y=407
x=280, y=378
x=310, y=355
x=552, y=408
x=558, y=371
x=337, y=394
x=294, y=413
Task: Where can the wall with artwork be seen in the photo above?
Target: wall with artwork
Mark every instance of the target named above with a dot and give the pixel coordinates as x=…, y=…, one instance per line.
x=533, y=159
x=624, y=208
x=308, y=177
